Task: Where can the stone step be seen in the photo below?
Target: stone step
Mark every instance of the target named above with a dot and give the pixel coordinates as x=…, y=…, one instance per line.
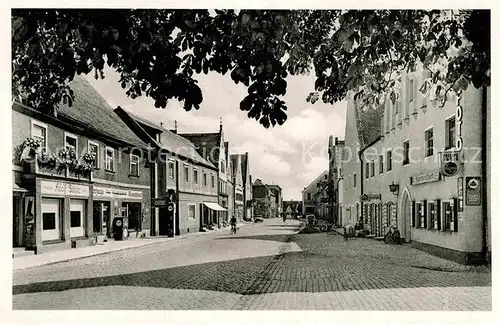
x=379, y=238
x=370, y=236
x=21, y=251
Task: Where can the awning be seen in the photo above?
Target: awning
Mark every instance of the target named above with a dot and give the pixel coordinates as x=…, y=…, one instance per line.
x=17, y=188
x=214, y=206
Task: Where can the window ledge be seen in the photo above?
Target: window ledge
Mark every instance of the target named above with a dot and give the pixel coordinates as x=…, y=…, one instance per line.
x=134, y=176
x=110, y=171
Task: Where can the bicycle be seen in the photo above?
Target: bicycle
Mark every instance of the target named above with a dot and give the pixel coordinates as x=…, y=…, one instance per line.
x=233, y=229
x=393, y=236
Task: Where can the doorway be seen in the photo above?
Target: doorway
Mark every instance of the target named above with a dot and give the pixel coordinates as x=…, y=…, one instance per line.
x=406, y=219
x=77, y=222
x=101, y=216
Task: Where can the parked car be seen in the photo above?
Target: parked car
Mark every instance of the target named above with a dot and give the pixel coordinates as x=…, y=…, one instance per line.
x=311, y=219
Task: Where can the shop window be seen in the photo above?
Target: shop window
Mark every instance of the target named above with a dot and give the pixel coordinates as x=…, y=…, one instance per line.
x=76, y=219
x=406, y=152
x=171, y=168
x=192, y=211
x=110, y=160
x=71, y=142
x=429, y=142
x=450, y=215
x=134, y=165
x=450, y=133
x=77, y=211
x=93, y=148
x=49, y=221
x=39, y=132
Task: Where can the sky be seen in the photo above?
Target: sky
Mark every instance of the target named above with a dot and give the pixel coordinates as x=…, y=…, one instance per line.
x=291, y=155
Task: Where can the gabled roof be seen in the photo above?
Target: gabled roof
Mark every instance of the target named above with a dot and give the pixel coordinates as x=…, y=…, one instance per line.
x=368, y=121
x=244, y=166
x=315, y=180
x=234, y=163
x=91, y=109
x=173, y=142
x=209, y=141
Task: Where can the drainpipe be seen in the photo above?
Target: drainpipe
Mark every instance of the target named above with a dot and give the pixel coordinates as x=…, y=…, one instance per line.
x=361, y=182
x=484, y=157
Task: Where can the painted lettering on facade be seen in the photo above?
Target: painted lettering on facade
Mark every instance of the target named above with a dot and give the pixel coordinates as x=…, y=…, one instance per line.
x=105, y=192
x=426, y=178
x=64, y=189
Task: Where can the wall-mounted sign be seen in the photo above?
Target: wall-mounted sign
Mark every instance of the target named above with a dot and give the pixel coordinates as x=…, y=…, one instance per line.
x=473, y=191
x=458, y=118
x=64, y=189
x=159, y=202
x=450, y=163
x=425, y=178
x=460, y=190
x=368, y=197
x=105, y=192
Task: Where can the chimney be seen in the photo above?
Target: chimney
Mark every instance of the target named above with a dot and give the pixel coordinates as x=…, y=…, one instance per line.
x=175, y=127
x=220, y=125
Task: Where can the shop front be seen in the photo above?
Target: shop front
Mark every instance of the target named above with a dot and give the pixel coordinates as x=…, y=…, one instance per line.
x=61, y=216
x=130, y=204
x=211, y=213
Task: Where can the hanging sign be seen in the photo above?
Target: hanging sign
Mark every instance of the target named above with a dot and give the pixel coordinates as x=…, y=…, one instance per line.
x=460, y=188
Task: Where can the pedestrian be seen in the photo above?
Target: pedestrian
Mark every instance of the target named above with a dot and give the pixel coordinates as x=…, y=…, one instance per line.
x=284, y=217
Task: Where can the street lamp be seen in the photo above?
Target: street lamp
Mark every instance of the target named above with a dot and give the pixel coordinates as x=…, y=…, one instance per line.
x=394, y=188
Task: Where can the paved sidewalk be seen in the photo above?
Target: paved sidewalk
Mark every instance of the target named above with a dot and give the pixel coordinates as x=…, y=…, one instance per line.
x=26, y=262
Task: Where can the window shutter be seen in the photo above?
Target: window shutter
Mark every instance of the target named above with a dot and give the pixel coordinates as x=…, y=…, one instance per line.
x=413, y=213
x=438, y=213
x=455, y=213
x=426, y=215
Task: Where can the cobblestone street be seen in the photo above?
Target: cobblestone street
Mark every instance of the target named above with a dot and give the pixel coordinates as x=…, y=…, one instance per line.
x=263, y=266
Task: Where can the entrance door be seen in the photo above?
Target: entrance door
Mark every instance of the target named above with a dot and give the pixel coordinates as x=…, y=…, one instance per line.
x=77, y=222
x=101, y=216
x=51, y=219
x=406, y=219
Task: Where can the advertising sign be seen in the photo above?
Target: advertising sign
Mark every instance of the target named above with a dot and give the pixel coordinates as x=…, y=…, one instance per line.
x=473, y=191
x=101, y=192
x=460, y=190
x=64, y=189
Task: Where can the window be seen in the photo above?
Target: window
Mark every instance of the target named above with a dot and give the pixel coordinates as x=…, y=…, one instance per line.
x=223, y=167
x=429, y=142
x=406, y=152
x=450, y=215
x=195, y=176
x=213, y=181
x=70, y=142
x=205, y=179
x=380, y=164
x=308, y=196
x=411, y=90
x=389, y=160
x=171, y=169
x=192, y=211
x=39, y=132
x=134, y=165
x=450, y=133
x=373, y=168
x=354, y=179
x=186, y=174
x=389, y=214
x=367, y=170
x=49, y=221
x=318, y=184
x=76, y=219
x=93, y=148
x=396, y=107
x=432, y=215
x=110, y=160
x=326, y=176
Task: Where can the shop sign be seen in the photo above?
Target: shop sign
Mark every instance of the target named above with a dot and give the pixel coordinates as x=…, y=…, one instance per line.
x=473, y=191
x=458, y=117
x=159, y=202
x=368, y=197
x=460, y=190
x=64, y=189
x=450, y=163
x=101, y=192
x=425, y=178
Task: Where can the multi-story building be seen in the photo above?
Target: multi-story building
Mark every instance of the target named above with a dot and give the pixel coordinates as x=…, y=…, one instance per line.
x=230, y=185
x=239, y=198
x=279, y=198
x=336, y=154
x=180, y=175
x=322, y=204
x=264, y=200
x=213, y=148
x=422, y=169
x=247, y=187
x=78, y=173
x=308, y=194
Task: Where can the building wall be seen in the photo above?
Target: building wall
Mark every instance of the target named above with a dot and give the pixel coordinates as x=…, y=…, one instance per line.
x=187, y=224
x=410, y=124
x=351, y=185
x=312, y=189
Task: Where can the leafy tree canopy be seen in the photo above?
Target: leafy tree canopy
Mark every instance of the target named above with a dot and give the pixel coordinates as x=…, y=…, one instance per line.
x=158, y=53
